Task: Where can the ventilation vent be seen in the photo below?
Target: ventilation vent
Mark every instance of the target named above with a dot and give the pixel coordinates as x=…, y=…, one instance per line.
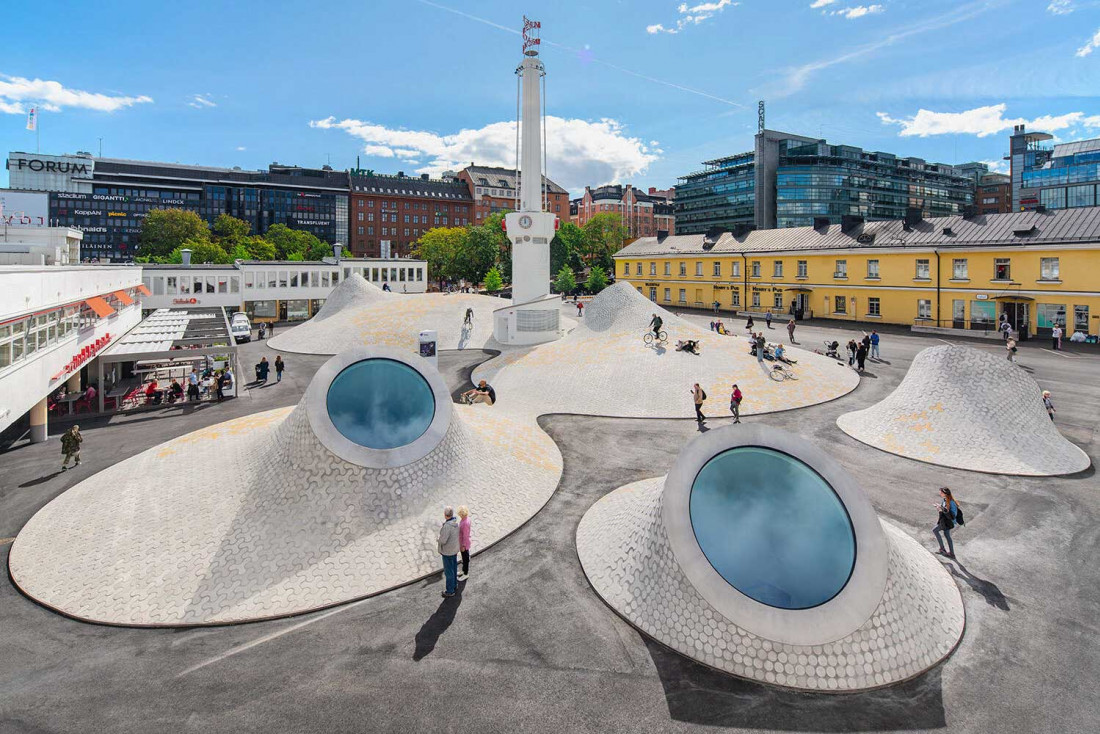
x=710, y=239
x=948, y=232
x=1025, y=232
x=821, y=223
x=849, y=222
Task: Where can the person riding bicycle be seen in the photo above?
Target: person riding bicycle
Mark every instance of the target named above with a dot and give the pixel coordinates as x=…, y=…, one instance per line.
x=656, y=323
x=469, y=320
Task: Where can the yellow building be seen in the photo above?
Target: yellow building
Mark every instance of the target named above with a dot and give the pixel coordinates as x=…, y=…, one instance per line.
x=1037, y=268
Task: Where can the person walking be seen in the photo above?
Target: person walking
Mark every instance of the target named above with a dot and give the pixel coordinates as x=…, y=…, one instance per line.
x=698, y=395
x=1010, y=347
x=193, y=385
x=717, y=305
x=948, y=516
x=874, y=346
x=464, y=541
x=262, y=370
x=280, y=365
x=448, y=548
x=271, y=328
x=219, y=383
x=768, y=319
x=852, y=352
x=580, y=308
x=1047, y=403
x=735, y=403
x=861, y=357
x=70, y=446
x=790, y=331
x=761, y=347
x=749, y=324
x=1006, y=328
x=1056, y=337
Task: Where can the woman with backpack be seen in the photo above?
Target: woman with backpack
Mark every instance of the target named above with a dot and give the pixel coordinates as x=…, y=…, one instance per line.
x=949, y=516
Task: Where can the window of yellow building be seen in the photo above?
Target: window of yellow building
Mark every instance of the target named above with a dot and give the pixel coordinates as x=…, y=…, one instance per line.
x=874, y=307
x=653, y=268
x=923, y=270
x=841, y=270
x=653, y=294
x=668, y=270
x=756, y=268
x=777, y=269
x=840, y=304
x=755, y=299
x=1048, y=268
x=668, y=295
x=717, y=269
x=960, y=269
x=626, y=268
x=698, y=295
x=1002, y=268
x=735, y=269
x=924, y=308
x=683, y=296
x=803, y=269
x=698, y=268
x=1081, y=318
x=735, y=297
x=638, y=270
x=777, y=301
x=872, y=269
x=683, y=269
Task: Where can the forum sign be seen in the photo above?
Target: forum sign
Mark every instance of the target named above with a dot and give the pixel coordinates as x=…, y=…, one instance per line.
x=39, y=172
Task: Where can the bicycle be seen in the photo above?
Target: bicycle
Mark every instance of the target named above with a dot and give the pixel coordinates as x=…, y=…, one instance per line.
x=660, y=339
x=782, y=372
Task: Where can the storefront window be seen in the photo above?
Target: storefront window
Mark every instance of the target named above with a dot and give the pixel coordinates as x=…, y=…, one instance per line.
x=303, y=278
x=297, y=309
x=235, y=284
x=197, y=285
x=840, y=304
x=282, y=278
x=324, y=279
x=1049, y=314
x=294, y=279
x=158, y=286
x=1081, y=319
x=248, y=281
x=223, y=284
x=982, y=313
x=261, y=309
x=314, y=279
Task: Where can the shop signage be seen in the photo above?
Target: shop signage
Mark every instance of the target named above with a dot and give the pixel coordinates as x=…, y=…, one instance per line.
x=185, y=301
x=37, y=165
x=83, y=356
x=653, y=284
x=980, y=296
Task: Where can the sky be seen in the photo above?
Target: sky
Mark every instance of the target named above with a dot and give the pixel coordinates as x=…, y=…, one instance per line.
x=638, y=91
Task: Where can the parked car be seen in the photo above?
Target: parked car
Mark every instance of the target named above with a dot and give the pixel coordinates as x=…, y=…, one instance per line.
x=240, y=328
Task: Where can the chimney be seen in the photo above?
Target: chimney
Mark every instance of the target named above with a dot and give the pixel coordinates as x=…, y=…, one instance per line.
x=821, y=223
x=423, y=177
x=849, y=222
x=337, y=249
x=661, y=234
x=186, y=255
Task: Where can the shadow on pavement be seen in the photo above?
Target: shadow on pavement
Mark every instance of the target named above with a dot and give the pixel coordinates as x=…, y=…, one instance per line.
x=988, y=590
x=437, y=624
x=697, y=694
x=40, y=480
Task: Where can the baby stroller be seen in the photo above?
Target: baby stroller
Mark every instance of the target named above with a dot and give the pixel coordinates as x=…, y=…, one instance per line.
x=831, y=349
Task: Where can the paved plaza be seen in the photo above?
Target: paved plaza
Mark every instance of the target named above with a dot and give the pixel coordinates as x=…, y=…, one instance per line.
x=528, y=644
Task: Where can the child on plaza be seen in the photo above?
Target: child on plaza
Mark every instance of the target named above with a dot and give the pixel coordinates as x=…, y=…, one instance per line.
x=1048, y=404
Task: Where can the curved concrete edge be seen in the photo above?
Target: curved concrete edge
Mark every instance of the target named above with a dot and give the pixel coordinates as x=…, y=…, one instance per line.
x=47, y=579
x=628, y=560
x=949, y=462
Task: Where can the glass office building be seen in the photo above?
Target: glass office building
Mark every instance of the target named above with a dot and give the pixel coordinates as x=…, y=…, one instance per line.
x=108, y=198
x=1065, y=176
x=794, y=181
x=721, y=195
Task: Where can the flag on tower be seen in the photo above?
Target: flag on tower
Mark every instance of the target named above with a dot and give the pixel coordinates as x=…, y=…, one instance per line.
x=32, y=118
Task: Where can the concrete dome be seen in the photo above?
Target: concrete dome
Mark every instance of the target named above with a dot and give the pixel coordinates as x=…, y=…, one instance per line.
x=968, y=409
x=278, y=513
x=898, y=614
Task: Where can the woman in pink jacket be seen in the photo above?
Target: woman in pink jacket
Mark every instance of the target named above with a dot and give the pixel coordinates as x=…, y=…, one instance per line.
x=464, y=540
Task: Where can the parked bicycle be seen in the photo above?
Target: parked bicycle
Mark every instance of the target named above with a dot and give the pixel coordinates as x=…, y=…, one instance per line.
x=782, y=372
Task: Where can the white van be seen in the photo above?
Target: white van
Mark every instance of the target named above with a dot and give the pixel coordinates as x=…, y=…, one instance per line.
x=240, y=328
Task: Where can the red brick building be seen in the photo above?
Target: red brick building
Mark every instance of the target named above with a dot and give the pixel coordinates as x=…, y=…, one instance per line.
x=993, y=194
x=387, y=213
x=644, y=214
x=495, y=190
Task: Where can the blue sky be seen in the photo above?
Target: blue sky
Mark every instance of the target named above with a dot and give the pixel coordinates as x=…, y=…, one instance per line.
x=639, y=91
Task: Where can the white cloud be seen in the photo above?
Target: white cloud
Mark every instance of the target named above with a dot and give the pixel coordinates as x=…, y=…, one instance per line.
x=241, y=147
x=858, y=11
x=997, y=165
x=982, y=121
x=1092, y=45
x=201, y=101
x=822, y=3
x=53, y=96
x=579, y=152
x=692, y=15
x=1061, y=7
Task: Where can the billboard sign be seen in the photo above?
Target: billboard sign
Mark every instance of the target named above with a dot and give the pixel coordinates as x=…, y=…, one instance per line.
x=24, y=209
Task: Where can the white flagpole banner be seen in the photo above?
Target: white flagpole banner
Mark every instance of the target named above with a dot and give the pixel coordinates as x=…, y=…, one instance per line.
x=32, y=118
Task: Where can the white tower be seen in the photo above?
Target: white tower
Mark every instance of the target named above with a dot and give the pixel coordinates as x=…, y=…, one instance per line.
x=534, y=314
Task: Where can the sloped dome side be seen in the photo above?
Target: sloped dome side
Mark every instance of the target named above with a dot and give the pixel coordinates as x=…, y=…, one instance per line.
x=353, y=291
x=970, y=409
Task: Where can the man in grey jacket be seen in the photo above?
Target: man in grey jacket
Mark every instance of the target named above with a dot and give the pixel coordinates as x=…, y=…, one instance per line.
x=448, y=548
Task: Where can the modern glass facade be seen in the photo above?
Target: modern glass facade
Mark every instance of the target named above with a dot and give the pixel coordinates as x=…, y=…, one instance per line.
x=1065, y=177
x=797, y=180
x=819, y=180
x=721, y=195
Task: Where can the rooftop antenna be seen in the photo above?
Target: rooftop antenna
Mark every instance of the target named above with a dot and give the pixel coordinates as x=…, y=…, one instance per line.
x=760, y=116
x=100, y=148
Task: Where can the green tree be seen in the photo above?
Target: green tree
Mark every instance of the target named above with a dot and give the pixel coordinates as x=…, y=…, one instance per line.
x=164, y=230
x=478, y=253
x=566, y=282
x=495, y=232
x=258, y=248
x=287, y=241
x=240, y=252
x=230, y=231
x=604, y=235
x=318, y=249
x=597, y=280
x=440, y=247
x=202, y=251
x=493, y=281
x=568, y=242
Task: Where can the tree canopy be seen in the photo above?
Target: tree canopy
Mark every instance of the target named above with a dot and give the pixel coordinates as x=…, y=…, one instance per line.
x=565, y=282
x=597, y=280
x=493, y=281
x=165, y=230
